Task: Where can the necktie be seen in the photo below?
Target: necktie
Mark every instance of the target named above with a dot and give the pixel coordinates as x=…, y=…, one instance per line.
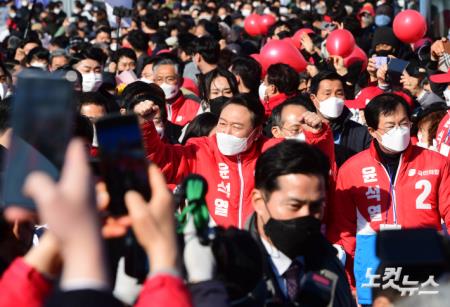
x=292, y=277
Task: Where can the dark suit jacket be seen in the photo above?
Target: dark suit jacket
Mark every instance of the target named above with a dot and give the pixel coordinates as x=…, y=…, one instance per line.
x=323, y=257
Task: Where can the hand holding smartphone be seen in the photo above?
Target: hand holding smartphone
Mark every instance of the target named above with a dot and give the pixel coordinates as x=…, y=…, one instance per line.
x=42, y=124
x=396, y=67
x=380, y=61
x=123, y=164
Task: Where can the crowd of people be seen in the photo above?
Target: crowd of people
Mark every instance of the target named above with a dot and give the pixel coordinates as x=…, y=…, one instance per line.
x=299, y=170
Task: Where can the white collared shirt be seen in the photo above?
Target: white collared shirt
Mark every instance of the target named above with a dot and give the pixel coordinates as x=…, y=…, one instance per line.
x=280, y=264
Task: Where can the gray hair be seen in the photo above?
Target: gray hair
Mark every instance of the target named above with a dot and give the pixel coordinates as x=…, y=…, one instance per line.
x=166, y=62
x=59, y=52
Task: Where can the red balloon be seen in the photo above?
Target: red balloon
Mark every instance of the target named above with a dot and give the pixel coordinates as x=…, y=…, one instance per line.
x=280, y=51
x=298, y=35
x=358, y=55
x=290, y=41
x=251, y=25
x=266, y=21
x=340, y=42
x=409, y=26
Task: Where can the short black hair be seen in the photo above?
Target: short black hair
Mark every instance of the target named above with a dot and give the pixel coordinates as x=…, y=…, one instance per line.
x=139, y=91
x=33, y=37
x=289, y=157
x=250, y=102
x=103, y=29
x=186, y=43
x=60, y=41
x=123, y=52
x=278, y=24
x=383, y=104
x=284, y=77
x=39, y=53
x=138, y=40
x=208, y=48
x=249, y=70
x=95, y=98
x=150, y=20
x=298, y=100
x=92, y=53
x=323, y=75
x=201, y=125
x=5, y=113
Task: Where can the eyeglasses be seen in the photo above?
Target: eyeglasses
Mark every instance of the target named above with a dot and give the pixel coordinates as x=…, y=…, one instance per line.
x=387, y=130
x=292, y=131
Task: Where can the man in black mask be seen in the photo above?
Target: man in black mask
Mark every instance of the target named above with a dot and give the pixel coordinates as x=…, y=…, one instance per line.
x=384, y=42
x=289, y=201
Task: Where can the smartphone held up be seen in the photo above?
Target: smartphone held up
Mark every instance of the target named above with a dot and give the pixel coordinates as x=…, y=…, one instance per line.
x=42, y=125
x=123, y=164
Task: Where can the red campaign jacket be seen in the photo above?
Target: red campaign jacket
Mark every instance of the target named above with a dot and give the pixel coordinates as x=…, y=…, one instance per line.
x=273, y=102
x=362, y=201
x=190, y=85
x=182, y=110
x=443, y=135
x=230, y=178
x=22, y=286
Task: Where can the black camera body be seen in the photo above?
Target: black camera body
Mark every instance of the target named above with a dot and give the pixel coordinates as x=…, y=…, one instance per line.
x=122, y=12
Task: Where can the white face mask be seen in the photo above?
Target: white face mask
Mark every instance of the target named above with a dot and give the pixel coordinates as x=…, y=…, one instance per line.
x=331, y=107
x=160, y=131
x=145, y=80
x=246, y=13
x=447, y=96
x=396, y=139
x=321, y=9
x=39, y=65
x=299, y=137
x=230, y=145
x=170, y=90
x=262, y=91
x=424, y=143
x=113, y=46
x=3, y=90
x=421, y=142
x=91, y=82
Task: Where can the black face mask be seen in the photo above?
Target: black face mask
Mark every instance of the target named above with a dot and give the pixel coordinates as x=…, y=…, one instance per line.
x=293, y=237
x=384, y=52
x=215, y=105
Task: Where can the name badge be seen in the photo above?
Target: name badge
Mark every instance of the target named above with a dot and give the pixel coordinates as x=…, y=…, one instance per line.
x=390, y=227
